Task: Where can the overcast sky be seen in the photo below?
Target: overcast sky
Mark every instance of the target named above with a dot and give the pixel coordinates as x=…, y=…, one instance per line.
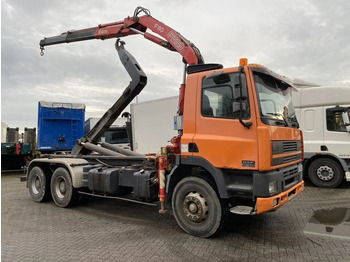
x=299, y=39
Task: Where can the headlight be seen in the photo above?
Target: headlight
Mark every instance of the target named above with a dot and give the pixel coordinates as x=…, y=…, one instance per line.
x=273, y=187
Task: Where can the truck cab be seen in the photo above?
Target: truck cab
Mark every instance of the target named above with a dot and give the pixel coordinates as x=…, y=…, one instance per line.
x=239, y=125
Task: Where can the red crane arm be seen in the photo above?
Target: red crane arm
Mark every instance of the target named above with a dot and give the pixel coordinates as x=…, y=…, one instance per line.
x=173, y=40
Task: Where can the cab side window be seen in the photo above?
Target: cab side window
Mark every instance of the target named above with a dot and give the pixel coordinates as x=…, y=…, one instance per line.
x=335, y=120
x=219, y=94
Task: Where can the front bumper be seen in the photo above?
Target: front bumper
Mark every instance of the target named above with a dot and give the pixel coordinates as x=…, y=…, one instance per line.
x=264, y=204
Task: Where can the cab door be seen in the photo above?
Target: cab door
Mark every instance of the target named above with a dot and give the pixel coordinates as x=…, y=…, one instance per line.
x=219, y=136
x=336, y=137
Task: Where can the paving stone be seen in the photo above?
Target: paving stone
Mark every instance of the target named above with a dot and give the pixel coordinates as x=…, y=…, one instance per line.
x=113, y=230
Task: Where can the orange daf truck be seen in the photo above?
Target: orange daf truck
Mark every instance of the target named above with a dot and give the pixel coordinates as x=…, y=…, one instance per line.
x=238, y=147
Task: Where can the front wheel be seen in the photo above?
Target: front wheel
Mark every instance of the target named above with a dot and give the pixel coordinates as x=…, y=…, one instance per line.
x=325, y=172
x=62, y=189
x=196, y=207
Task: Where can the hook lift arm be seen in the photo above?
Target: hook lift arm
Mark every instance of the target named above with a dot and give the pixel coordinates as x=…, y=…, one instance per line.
x=137, y=83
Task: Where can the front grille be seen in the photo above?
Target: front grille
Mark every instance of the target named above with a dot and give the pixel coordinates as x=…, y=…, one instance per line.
x=290, y=172
x=285, y=159
x=281, y=147
x=290, y=146
x=290, y=178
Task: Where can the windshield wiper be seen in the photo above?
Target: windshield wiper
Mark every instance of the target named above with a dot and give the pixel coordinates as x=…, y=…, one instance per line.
x=278, y=114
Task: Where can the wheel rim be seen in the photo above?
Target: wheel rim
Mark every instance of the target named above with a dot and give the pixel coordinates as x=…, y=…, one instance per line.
x=325, y=173
x=36, y=184
x=195, y=207
x=60, y=187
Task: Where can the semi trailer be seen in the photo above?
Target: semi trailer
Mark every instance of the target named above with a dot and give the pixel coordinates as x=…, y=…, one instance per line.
x=59, y=125
x=234, y=150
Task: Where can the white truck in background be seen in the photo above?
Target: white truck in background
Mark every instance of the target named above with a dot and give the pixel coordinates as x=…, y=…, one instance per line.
x=323, y=114
x=152, y=125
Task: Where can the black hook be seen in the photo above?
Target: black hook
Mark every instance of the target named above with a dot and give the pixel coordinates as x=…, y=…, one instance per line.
x=119, y=44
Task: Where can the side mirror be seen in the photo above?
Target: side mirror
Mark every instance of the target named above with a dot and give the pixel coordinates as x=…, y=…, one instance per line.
x=238, y=101
x=346, y=119
x=238, y=94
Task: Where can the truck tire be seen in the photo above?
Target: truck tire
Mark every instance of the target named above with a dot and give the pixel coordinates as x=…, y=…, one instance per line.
x=38, y=185
x=325, y=172
x=196, y=207
x=62, y=191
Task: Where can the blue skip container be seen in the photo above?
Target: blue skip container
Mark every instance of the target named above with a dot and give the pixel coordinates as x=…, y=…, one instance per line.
x=59, y=125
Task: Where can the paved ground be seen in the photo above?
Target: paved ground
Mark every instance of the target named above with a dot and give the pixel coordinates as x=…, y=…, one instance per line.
x=112, y=230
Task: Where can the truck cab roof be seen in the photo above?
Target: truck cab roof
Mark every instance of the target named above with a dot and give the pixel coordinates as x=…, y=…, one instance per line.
x=321, y=96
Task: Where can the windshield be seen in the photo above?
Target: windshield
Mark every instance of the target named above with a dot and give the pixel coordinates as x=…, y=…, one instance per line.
x=275, y=101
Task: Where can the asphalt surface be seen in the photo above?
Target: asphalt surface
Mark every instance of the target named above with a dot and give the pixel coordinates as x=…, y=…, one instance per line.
x=114, y=230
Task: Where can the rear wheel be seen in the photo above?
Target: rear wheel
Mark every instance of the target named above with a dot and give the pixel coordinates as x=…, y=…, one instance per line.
x=196, y=207
x=326, y=172
x=38, y=185
x=62, y=190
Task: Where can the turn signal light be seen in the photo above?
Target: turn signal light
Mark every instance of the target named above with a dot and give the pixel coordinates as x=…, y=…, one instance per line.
x=243, y=61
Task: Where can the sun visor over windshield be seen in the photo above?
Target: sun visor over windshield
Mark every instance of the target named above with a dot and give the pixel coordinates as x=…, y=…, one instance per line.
x=284, y=81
